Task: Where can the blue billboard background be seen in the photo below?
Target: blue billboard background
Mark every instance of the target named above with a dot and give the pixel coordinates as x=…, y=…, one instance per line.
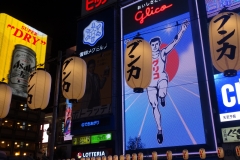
x=228, y=96
x=181, y=118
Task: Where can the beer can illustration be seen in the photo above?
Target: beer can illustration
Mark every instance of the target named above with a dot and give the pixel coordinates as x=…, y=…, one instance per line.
x=23, y=63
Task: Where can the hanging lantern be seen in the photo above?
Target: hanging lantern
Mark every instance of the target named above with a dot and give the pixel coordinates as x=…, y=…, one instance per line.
x=74, y=72
x=138, y=64
x=154, y=155
x=220, y=152
x=202, y=153
x=224, y=33
x=39, y=86
x=5, y=99
x=169, y=155
x=237, y=148
x=185, y=154
x=140, y=156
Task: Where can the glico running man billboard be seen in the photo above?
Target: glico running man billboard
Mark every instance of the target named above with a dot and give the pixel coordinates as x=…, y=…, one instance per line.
x=169, y=113
x=22, y=48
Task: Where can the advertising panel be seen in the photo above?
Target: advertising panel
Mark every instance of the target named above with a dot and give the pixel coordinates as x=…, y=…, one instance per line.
x=169, y=113
x=45, y=135
x=228, y=96
x=95, y=46
x=91, y=139
x=231, y=134
x=214, y=6
x=67, y=122
x=22, y=48
x=90, y=6
x=95, y=33
x=97, y=97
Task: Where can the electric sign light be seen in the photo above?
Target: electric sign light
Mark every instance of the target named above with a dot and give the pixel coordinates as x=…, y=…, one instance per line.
x=149, y=11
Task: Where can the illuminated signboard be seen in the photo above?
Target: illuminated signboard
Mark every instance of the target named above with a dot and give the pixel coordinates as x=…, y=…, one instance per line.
x=214, y=6
x=91, y=154
x=231, y=134
x=90, y=6
x=22, y=48
x=91, y=139
x=68, y=121
x=169, y=113
x=228, y=96
x=81, y=140
x=101, y=137
x=95, y=33
x=97, y=97
x=45, y=135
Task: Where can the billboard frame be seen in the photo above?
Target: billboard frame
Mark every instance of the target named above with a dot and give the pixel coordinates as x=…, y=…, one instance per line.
x=204, y=48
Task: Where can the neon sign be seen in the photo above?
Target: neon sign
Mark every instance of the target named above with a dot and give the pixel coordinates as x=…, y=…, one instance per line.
x=149, y=11
x=91, y=4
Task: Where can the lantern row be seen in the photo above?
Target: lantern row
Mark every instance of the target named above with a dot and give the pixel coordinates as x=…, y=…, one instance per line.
x=139, y=156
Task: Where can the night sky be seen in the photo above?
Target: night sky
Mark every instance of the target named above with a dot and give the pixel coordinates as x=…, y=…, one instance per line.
x=55, y=18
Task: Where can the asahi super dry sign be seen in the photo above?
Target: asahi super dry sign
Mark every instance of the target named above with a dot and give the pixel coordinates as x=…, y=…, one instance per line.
x=21, y=49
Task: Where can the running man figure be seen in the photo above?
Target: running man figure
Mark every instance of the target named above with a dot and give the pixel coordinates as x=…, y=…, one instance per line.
x=158, y=86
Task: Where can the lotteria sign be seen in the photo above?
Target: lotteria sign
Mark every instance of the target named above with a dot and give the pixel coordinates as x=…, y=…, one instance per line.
x=91, y=154
x=90, y=6
x=228, y=96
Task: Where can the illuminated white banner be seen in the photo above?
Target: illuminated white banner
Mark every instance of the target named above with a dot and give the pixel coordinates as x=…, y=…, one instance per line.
x=224, y=117
x=231, y=134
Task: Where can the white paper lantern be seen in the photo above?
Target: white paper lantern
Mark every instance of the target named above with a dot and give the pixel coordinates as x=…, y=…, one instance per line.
x=202, y=153
x=121, y=157
x=220, y=152
x=138, y=64
x=74, y=72
x=169, y=155
x=39, y=86
x=185, y=154
x=128, y=157
x=154, y=155
x=140, y=156
x=5, y=99
x=237, y=148
x=134, y=156
x=224, y=33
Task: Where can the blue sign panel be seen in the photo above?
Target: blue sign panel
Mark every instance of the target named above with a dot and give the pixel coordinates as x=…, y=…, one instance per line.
x=228, y=96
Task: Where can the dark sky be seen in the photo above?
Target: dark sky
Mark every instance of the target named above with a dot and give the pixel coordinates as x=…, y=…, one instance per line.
x=58, y=19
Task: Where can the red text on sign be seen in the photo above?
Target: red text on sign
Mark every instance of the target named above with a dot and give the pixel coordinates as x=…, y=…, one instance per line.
x=149, y=11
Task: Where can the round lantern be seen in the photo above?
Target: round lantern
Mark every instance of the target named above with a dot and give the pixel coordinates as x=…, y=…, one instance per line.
x=138, y=64
x=237, y=148
x=185, y=154
x=202, y=153
x=140, y=156
x=134, y=156
x=121, y=157
x=74, y=72
x=169, y=155
x=224, y=33
x=220, y=152
x=115, y=157
x=5, y=99
x=154, y=155
x=128, y=157
x=39, y=86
